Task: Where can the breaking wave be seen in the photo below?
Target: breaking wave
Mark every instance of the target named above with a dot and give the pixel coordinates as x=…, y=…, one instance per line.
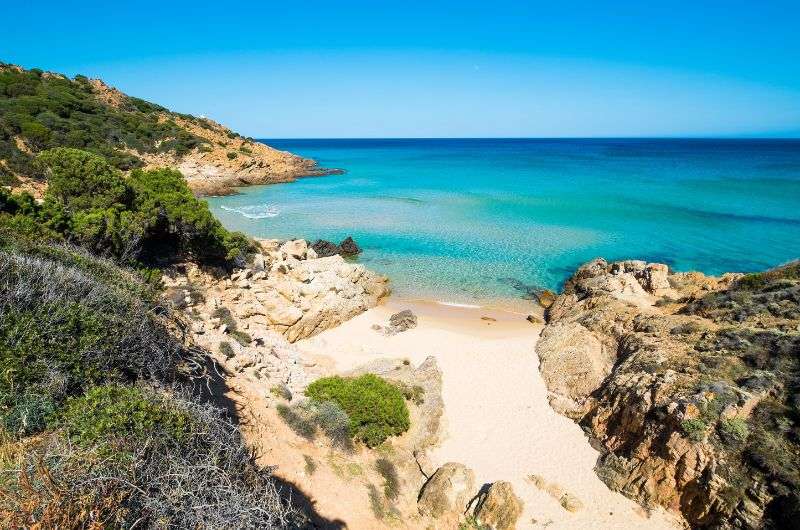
x=256, y=211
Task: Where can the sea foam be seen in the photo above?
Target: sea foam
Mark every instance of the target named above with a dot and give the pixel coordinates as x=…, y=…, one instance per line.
x=256, y=211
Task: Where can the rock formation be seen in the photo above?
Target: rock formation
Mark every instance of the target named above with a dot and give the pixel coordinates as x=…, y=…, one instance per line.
x=399, y=322
x=286, y=289
x=348, y=247
x=498, y=508
x=686, y=382
x=445, y=496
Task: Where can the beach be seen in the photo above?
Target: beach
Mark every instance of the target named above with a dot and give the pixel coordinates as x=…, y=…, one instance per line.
x=497, y=420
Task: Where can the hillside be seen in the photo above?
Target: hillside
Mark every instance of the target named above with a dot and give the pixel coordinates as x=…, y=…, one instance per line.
x=42, y=110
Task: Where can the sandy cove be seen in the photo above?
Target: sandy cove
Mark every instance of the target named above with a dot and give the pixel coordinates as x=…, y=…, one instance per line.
x=497, y=418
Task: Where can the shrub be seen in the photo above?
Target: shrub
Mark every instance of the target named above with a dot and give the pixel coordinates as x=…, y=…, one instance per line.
x=204, y=479
x=241, y=337
x=695, y=429
x=169, y=210
x=232, y=155
x=69, y=321
x=281, y=392
x=79, y=180
x=307, y=417
x=27, y=413
x=376, y=408
x=734, y=430
x=121, y=412
x=311, y=465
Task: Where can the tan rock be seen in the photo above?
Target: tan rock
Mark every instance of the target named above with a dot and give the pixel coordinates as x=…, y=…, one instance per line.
x=445, y=496
x=499, y=508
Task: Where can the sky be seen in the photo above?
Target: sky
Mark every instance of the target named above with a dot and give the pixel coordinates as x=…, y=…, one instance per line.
x=360, y=69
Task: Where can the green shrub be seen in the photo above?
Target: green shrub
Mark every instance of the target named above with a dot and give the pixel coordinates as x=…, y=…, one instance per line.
x=121, y=412
x=27, y=414
x=150, y=217
x=375, y=407
x=232, y=155
x=734, y=430
x=695, y=429
x=69, y=321
x=79, y=180
x=225, y=317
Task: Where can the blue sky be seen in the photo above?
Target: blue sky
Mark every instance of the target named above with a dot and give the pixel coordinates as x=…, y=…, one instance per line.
x=436, y=69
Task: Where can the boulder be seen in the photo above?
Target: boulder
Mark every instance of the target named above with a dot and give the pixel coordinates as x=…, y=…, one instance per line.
x=297, y=248
x=499, y=508
x=402, y=321
x=349, y=247
x=445, y=496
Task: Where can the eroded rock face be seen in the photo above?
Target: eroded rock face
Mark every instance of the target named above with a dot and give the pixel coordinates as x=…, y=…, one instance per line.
x=445, y=496
x=681, y=379
x=288, y=290
x=499, y=508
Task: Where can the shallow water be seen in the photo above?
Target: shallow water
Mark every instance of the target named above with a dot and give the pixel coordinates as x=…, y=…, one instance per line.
x=467, y=220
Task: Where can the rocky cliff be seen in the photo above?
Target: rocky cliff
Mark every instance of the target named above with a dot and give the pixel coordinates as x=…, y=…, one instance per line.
x=688, y=384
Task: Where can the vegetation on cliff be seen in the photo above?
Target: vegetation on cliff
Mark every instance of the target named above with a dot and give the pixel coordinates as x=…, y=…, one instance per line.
x=98, y=424
x=148, y=217
x=41, y=110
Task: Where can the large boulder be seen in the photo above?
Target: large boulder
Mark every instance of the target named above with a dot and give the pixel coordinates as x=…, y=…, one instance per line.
x=446, y=495
x=499, y=508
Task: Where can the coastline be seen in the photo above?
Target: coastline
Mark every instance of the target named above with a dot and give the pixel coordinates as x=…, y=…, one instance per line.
x=497, y=419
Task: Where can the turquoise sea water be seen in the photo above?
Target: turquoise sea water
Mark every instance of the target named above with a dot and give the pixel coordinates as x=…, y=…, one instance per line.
x=456, y=219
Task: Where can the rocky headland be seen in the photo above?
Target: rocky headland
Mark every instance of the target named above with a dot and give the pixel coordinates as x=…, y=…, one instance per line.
x=687, y=383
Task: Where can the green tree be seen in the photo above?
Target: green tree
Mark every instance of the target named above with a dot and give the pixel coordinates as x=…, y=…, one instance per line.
x=79, y=180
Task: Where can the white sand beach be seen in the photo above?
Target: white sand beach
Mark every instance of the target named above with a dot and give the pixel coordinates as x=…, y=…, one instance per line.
x=497, y=418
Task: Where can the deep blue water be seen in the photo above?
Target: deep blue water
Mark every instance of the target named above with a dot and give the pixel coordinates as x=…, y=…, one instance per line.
x=456, y=218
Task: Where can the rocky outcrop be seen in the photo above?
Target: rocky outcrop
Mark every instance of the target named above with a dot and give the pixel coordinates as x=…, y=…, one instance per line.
x=287, y=290
x=348, y=247
x=445, y=496
x=498, y=508
x=229, y=160
x=682, y=380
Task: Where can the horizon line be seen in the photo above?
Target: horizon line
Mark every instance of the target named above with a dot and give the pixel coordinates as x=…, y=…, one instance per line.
x=727, y=138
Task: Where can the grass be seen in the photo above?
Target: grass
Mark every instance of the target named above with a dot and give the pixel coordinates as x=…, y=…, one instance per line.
x=391, y=482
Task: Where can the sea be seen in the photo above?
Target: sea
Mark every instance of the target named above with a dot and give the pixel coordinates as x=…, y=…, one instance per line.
x=464, y=221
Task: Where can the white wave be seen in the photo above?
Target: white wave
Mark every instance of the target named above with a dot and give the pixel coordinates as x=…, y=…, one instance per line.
x=456, y=304
x=256, y=211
